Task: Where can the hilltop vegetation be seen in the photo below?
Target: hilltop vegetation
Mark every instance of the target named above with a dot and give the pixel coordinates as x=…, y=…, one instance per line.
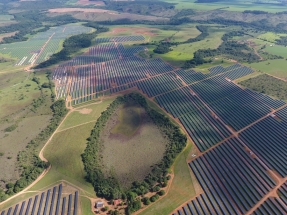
x=109, y=187
x=268, y=85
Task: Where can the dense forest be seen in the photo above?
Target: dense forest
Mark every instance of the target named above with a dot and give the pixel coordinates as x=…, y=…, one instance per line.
x=268, y=85
x=109, y=187
x=144, y=7
x=282, y=41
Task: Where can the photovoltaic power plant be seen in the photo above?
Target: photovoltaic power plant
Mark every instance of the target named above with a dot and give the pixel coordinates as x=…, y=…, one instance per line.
x=241, y=134
x=51, y=202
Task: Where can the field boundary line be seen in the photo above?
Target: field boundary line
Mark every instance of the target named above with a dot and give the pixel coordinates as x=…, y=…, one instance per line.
x=77, y=125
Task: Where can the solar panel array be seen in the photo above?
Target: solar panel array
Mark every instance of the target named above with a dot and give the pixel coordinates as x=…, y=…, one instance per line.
x=51, y=202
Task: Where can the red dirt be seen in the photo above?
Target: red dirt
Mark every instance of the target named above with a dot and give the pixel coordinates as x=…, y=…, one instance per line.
x=87, y=2
x=141, y=31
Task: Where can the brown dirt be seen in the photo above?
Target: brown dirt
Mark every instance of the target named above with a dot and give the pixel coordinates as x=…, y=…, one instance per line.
x=141, y=31
x=87, y=2
x=7, y=35
x=86, y=10
x=85, y=111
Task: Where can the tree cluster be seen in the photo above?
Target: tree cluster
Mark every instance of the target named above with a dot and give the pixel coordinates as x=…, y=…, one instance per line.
x=282, y=41
x=144, y=7
x=230, y=48
x=268, y=85
x=162, y=48
x=109, y=187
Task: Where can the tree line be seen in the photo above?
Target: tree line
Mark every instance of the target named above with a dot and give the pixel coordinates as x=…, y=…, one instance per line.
x=165, y=46
x=109, y=187
x=28, y=161
x=230, y=48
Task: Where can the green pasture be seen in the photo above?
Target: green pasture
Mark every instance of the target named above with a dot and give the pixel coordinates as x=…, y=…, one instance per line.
x=183, y=52
x=273, y=67
x=270, y=36
x=5, y=18
x=86, y=206
x=235, y=5
x=277, y=50
x=64, y=153
x=77, y=117
x=181, y=189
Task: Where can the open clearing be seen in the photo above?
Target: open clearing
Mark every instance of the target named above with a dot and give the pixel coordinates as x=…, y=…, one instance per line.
x=131, y=143
x=94, y=14
x=236, y=5
x=184, y=187
x=77, y=117
x=13, y=142
x=273, y=67
x=183, y=52
x=277, y=50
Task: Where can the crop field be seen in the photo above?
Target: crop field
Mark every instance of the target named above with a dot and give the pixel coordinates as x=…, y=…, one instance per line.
x=53, y=201
x=136, y=141
x=41, y=46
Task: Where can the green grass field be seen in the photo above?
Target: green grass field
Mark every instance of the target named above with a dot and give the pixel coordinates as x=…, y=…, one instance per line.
x=273, y=67
x=86, y=206
x=129, y=120
x=235, y=5
x=181, y=189
x=269, y=36
x=85, y=114
x=64, y=153
x=65, y=149
x=277, y=50
x=184, y=52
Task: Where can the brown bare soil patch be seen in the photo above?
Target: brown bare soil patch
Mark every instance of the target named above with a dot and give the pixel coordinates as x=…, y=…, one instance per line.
x=95, y=14
x=85, y=111
x=87, y=2
x=7, y=35
x=141, y=31
x=87, y=10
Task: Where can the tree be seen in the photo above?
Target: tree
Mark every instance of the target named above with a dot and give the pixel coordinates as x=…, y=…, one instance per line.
x=146, y=201
x=161, y=192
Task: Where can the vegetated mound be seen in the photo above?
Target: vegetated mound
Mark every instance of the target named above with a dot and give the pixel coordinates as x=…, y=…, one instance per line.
x=127, y=139
x=268, y=85
x=131, y=144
